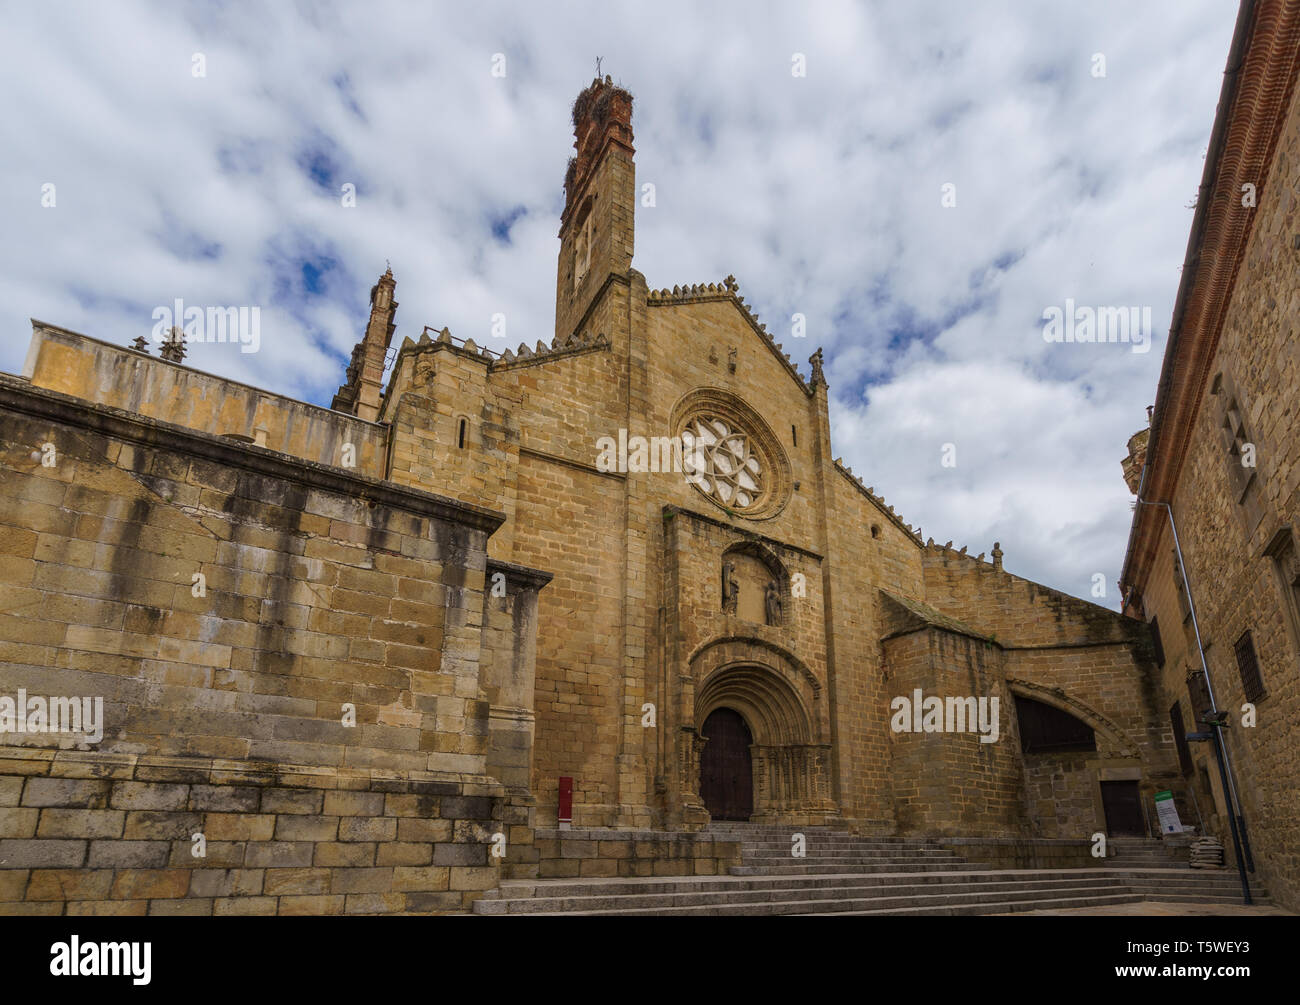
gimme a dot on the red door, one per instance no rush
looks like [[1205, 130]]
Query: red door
[[726, 774]]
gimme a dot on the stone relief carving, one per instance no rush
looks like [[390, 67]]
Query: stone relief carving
[[730, 588], [772, 601]]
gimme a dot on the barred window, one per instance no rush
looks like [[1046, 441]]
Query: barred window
[[1248, 667], [1238, 449]]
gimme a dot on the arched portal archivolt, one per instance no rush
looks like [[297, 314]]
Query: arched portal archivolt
[[769, 704], [780, 700], [718, 654]]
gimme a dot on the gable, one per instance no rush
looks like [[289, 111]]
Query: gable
[[739, 322]]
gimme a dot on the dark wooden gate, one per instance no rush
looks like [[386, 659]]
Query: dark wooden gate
[[1123, 808], [726, 773]]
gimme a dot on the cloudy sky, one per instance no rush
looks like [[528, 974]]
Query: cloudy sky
[[823, 194]]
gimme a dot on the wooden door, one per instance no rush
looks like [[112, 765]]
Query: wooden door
[[1123, 808], [726, 773]]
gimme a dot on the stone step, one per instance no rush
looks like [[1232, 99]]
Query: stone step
[[1007, 907], [897, 893], [1016, 906], [943, 903], [784, 848], [831, 864], [918, 854], [872, 854], [964, 892], [514, 888], [799, 868]]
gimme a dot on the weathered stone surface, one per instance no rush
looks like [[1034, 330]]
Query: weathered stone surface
[[310, 660]]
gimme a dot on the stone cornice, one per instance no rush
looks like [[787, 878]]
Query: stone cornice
[[18, 395], [521, 574]]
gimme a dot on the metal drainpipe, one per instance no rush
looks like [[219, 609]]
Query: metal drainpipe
[[1235, 816]]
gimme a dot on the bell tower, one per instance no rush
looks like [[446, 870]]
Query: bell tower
[[599, 201]]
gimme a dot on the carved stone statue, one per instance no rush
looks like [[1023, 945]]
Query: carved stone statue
[[730, 588], [816, 359], [772, 601]]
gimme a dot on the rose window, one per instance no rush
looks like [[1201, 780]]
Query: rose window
[[720, 461]]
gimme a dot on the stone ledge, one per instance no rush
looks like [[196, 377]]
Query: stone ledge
[[53, 763], [19, 396]]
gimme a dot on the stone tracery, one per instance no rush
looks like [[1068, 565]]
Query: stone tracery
[[720, 460]]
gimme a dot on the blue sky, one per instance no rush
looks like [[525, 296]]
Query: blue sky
[[822, 194]]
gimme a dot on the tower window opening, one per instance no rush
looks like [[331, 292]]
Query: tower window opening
[[460, 433]]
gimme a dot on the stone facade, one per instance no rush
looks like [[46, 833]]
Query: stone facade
[[514, 565], [291, 665], [1224, 452]]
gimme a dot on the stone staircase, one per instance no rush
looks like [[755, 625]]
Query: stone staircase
[[844, 874], [1144, 852], [767, 850]]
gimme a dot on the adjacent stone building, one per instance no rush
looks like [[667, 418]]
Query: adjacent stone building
[[1223, 451], [622, 562]]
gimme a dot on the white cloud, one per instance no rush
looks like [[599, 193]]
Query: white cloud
[[821, 194]]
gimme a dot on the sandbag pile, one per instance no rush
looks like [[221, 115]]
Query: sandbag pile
[[1207, 853]]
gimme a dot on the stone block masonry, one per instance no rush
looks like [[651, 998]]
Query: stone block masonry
[[84, 833], [374, 690], [289, 659]]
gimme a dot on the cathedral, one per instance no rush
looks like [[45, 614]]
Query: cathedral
[[731, 611], [615, 581]]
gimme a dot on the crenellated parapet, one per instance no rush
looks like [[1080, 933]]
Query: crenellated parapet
[[443, 340]]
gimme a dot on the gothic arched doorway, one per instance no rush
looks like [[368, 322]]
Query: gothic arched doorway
[[726, 771]]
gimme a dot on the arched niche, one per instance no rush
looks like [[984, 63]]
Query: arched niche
[[746, 569]]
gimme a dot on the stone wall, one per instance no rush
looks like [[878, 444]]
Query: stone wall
[[1226, 538], [253, 625], [118, 377], [952, 782], [103, 833]]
